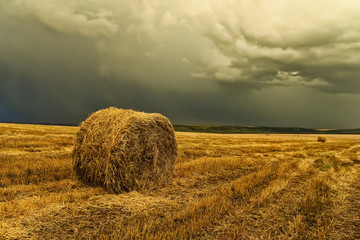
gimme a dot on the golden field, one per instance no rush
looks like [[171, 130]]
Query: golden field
[[224, 187]]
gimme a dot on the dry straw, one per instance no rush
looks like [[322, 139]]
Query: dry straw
[[125, 150]]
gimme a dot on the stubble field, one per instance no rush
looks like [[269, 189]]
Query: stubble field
[[224, 187]]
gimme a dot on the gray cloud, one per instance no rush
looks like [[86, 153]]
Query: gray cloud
[[64, 16], [265, 42], [226, 62]]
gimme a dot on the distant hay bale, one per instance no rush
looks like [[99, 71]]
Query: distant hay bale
[[321, 139], [124, 150]]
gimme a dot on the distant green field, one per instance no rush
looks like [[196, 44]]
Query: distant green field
[[263, 130]]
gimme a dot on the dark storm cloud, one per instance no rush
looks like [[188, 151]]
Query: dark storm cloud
[[283, 43], [214, 62]]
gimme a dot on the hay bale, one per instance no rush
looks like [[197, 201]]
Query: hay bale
[[124, 150], [321, 139]]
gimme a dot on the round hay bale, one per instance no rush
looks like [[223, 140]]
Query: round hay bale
[[124, 150]]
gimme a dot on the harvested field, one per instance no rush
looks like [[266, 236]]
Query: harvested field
[[224, 187]]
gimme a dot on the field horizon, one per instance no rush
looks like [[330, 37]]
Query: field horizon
[[235, 129], [224, 186]]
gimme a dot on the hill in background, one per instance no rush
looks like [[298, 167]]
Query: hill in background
[[261, 130]]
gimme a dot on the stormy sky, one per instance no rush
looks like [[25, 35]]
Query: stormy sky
[[234, 62]]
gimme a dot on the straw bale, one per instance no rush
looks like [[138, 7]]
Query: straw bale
[[124, 150]]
